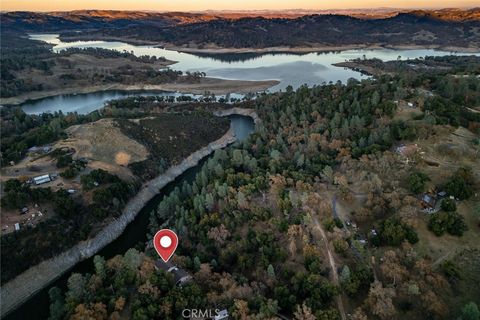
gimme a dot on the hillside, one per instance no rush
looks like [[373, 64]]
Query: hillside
[[426, 29], [445, 28]]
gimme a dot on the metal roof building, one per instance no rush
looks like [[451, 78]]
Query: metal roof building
[[42, 179]]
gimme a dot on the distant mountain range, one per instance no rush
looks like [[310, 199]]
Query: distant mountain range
[[261, 29]]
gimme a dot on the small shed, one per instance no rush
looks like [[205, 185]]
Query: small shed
[[442, 194]]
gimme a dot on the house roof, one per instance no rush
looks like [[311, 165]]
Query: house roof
[[42, 177], [165, 266], [427, 198], [179, 275]]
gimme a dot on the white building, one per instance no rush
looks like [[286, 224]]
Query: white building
[[42, 179]]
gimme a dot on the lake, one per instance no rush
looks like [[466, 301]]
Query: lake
[[289, 68]]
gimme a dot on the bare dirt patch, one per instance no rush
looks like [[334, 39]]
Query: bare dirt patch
[[447, 246], [449, 151], [103, 142]]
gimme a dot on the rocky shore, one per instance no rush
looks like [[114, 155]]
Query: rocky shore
[[25, 285]]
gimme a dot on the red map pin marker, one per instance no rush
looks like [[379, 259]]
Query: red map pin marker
[[165, 242]]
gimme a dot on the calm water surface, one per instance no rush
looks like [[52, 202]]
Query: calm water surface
[[290, 69]]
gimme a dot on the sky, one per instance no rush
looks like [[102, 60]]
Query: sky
[[199, 5]]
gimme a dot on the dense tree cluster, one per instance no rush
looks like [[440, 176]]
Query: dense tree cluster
[[110, 53], [393, 232], [19, 53]]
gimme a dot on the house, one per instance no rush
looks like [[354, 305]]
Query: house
[[17, 226], [428, 201], [181, 276], [24, 210], [42, 179], [221, 315]]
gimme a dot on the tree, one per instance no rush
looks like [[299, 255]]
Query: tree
[[57, 308], [271, 271], [417, 182], [327, 174], [470, 312], [241, 310], [242, 200], [64, 160], [99, 263], [448, 205], [358, 314], [451, 222], [380, 300], [460, 184], [237, 159], [197, 263], [303, 313], [345, 274], [76, 287], [393, 232], [268, 308], [12, 185]]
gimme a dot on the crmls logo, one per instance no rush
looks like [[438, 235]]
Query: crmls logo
[[199, 313]]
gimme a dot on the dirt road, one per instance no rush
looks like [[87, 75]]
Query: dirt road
[[331, 260]]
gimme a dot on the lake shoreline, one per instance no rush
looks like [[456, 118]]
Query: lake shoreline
[[320, 49], [212, 85], [18, 290], [213, 49]]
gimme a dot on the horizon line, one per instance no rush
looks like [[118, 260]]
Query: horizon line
[[252, 10]]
